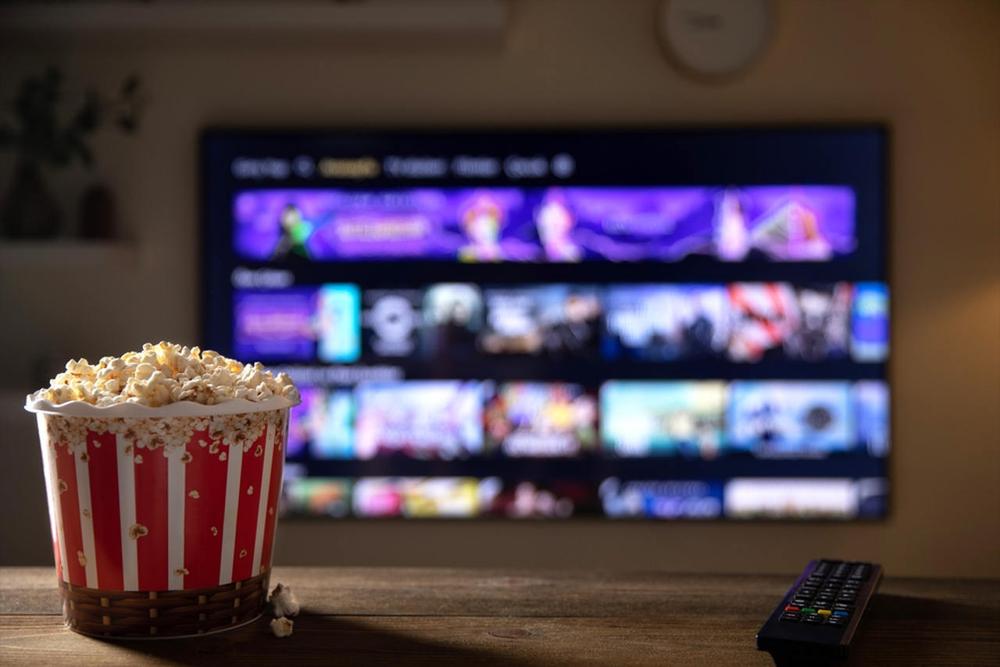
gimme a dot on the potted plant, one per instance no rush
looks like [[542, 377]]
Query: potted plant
[[42, 133]]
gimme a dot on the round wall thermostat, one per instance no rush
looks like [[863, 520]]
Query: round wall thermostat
[[715, 38]]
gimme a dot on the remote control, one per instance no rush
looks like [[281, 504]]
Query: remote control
[[821, 612]]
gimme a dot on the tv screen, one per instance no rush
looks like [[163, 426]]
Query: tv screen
[[670, 324]]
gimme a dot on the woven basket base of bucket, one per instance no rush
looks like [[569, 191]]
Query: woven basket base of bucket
[[163, 614]]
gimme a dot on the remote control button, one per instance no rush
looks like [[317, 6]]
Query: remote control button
[[860, 571], [790, 617], [792, 607], [836, 621], [842, 570], [823, 612], [823, 567], [808, 610], [814, 618], [843, 606], [801, 602]]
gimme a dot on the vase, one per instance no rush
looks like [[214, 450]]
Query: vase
[[28, 209]]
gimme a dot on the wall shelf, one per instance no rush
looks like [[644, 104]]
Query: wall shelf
[[56, 254]]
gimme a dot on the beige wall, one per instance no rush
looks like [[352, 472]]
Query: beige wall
[[931, 70]]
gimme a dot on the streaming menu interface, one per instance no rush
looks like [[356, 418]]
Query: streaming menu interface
[[670, 325]]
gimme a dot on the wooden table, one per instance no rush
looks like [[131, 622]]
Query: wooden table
[[460, 617]]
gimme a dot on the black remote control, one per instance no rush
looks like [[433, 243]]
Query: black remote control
[[821, 612]]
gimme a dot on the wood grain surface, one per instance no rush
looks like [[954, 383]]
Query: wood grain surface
[[396, 616]]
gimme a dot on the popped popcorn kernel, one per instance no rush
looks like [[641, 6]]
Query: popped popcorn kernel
[[283, 601], [282, 627], [162, 374]]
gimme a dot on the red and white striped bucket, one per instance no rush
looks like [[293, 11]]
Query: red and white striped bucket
[[163, 504]]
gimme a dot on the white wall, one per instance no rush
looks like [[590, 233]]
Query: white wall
[[929, 69]]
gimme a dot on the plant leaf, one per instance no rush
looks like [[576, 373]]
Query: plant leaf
[[131, 85], [127, 122]]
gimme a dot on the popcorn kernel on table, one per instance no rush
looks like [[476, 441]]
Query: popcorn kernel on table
[[284, 602], [282, 627]]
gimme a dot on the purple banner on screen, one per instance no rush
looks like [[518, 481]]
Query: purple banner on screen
[[274, 324], [571, 224]]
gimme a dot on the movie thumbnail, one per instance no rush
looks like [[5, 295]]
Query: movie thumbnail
[[552, 320], [426, 419], [274, 324], [453, 318], [391, 322], [778, 321], [331, 421], [413, 497], [523, 499], [870, 322], [815, 498], [338, 314], [664, 323], [534, 419], [873, 497], [662, 418], [318, 496], [871, 402], [679, 499], [790, 418], [299, 423], [322, 423]]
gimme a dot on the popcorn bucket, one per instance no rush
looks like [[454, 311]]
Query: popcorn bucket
[[163, 519]]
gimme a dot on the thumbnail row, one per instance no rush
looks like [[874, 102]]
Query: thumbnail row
[[778, 223], [739, 322], [452, 419], [469, 497]]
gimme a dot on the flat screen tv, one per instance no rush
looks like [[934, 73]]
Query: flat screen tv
[[665, 324]]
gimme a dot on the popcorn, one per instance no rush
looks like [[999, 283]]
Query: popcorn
[[162, 374], [284, 602], [282, 627]]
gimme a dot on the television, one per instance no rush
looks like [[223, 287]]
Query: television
[[677, 324]]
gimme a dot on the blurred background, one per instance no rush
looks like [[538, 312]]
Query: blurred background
[[100, 246]]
